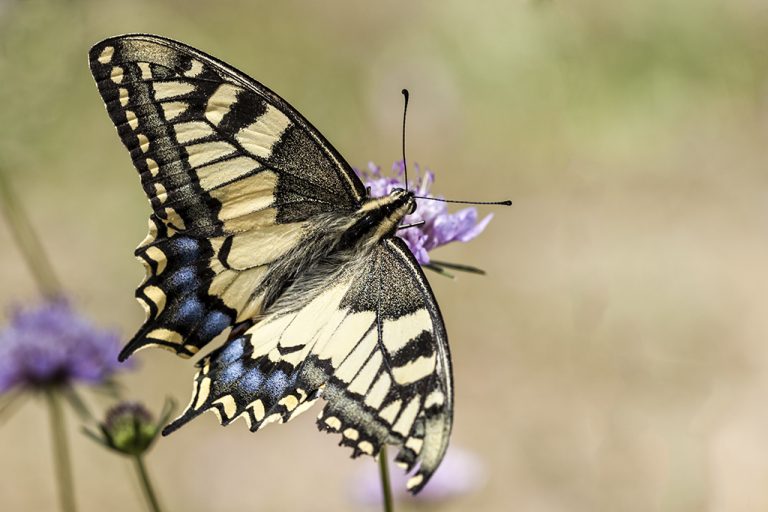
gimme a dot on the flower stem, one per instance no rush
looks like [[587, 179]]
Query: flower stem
[[27, 240], [386, 487], [61, 459], [146, 484]]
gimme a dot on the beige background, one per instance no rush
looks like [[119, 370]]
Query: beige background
[[615, 357]]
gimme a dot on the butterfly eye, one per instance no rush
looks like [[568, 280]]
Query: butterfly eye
[[413, 207], [368, 191]]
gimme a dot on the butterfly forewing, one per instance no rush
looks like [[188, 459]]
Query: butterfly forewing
[[233, 174], [371, 343]]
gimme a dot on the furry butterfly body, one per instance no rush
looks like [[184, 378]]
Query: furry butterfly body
[[261, 229]]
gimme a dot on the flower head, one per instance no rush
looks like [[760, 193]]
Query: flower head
[[52, 345], [440, 226], [129, 428]]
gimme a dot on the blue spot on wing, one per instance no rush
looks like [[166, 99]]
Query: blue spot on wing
[[276, 384], [189, 310], [230, 373], [186, 250], [213, 324], [183, 279], [232, 351], [251, 380]]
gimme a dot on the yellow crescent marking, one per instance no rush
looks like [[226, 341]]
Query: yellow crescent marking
[[158, 257], [333, 422], [166, 335], [106, 54], [156, 295], [117, 74], [160, 193], [143, 142], [365, 447], [133, 121], [152, 166], [414, 481], [289, 402], [230, 407], [257, 406]]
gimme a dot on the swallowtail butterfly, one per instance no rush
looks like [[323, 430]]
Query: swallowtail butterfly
[[261, 229]]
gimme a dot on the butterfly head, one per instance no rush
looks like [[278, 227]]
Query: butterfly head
[[397, 205], [379, 217], [405, 197]]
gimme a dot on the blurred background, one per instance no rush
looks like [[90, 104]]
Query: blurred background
[[615, 356]]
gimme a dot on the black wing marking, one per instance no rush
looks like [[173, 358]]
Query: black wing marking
[[372, 344], [233, 174]]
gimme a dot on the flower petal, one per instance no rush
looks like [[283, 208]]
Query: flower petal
[[475, 230]]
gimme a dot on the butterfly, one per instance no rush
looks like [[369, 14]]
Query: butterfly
[[261, 233]]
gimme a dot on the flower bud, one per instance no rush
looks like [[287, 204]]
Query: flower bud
[[129, 428]]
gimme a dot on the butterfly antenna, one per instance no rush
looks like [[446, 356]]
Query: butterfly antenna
[[406, 95], [498, 203]]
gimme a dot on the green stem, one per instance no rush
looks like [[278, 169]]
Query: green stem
[[146, 484], [61, 460], [27, 240], [386, 487]]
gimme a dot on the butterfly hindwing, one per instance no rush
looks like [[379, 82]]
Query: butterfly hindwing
[[371, 343], [233, 174]]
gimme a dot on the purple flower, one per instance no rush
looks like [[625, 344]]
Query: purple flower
[[460, 473], [52, 345], [440, 227]]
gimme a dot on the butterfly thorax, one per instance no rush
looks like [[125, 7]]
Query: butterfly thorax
[[332, 246]]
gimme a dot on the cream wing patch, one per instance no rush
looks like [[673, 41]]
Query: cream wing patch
[[259, 137], [173, 109], [217, 174], [192, 130], [171, 89], [207, 152], [221, 102], [398, 332]]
